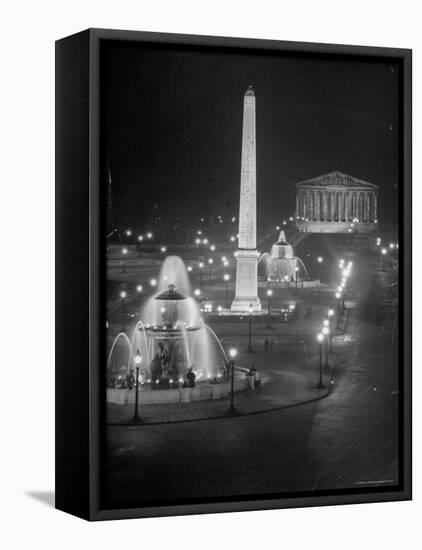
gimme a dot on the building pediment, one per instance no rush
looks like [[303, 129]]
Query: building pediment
[[336, 180]]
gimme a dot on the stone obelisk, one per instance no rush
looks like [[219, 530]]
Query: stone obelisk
[[246, 295]]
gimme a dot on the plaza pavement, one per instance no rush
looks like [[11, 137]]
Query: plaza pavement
[[284, 384], [289, 374]]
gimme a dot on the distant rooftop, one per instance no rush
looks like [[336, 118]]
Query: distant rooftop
[[336, 179]]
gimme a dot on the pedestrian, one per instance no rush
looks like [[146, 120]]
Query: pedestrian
[[130, 380], [266, 345], [271, 345], [190, 378]]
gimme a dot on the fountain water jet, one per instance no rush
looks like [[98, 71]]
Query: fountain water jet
[[282, 265], [126, 339], [172, 337]]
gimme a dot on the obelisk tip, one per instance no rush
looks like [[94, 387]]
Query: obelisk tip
[[250, 91]]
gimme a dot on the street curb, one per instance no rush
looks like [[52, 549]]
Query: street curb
[[224, 416]]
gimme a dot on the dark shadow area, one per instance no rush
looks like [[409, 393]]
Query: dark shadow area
[[45, 497]]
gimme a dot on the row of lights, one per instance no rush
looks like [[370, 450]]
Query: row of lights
[[326, 330], [384, 250], [139, 288], [148, 235]]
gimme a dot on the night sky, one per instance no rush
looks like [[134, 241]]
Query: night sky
[[172, 124]]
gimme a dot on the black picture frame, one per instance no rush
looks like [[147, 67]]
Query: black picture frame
[[80, 282]]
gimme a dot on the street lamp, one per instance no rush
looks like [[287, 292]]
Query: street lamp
[[201, 266], [153, 282], [226, 278], [210, 262], [140, 241], [139, 290], [338, 296], [124, 252], [320, 339], [232, 354], [320, 259], [250, 309], [330, 314], [138, 361], [296, 276], [286, 280], [269, 294], [383, 254], [123, 295], [326, 331]]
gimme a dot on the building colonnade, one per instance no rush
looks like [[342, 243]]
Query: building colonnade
[[337, 206]]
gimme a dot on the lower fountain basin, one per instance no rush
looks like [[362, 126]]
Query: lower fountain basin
[[201, 392]]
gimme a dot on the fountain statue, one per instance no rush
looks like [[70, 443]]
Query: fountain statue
[[281, 265], [171, 337]]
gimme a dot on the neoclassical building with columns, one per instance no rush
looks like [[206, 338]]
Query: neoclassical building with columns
[[336, 203]]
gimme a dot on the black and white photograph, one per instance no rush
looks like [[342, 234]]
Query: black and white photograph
[[210, 292], [252, 242]]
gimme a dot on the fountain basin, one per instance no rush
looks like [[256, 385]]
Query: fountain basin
[[203, 391]]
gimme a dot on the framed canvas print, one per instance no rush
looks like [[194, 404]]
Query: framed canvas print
[[233, 274]]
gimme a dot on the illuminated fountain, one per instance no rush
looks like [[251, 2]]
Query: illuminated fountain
[[281, 265], [172, 337]]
